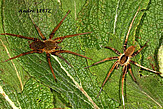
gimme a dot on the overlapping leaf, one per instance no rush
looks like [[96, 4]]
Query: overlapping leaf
[[11, 73], [105, 19], [96, 16], [74, 84], [34, 95]]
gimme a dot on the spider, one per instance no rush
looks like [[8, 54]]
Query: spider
[[48, 45], [124, 59]]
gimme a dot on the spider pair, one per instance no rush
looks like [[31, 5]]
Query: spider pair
[[51, 46]]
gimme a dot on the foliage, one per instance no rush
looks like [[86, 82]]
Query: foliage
[[78, 87]]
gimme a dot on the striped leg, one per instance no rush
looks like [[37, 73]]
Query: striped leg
[[22, 54], [108, 75], [39, 31], [56, 28], [116, 51], [20, 36], [133, 62], [138, 51], [48, 59], [123, 78], [111, 58], [125, 44]]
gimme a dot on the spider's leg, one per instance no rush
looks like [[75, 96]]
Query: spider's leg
[[58, 42], [129, 67], [39, 31], [123, 77], [138, 51], [111, 58], [50, 65], [70, 52], [56, 28], [133, 62], [57, 54], [125, 44], [22, 54], [63, 37], [24, 37], [116, 51], [108, 75]]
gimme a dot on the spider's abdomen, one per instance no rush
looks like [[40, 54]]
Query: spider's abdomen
[[123, 59], [50, 45], [130, 51], [37, 45]]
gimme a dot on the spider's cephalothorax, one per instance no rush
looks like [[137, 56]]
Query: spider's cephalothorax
[[48, 46], [124, 59]]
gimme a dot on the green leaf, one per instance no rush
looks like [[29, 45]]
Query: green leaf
[[60, 101], [151, 30], [109, 22], [8, 96], [74, 5], [77, 86], [11, 73], [103, 17], [34, 95], [71, 81]]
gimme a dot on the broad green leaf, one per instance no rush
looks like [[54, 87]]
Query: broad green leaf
[[151, 30], [11, 73], [34, 95], [76, 84], [107, 18], [8, 97], [104, 17], [74, 5], [79, 86], [60, 101]]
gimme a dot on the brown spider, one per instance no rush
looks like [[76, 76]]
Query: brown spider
[[124, 59], [48, 45]]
